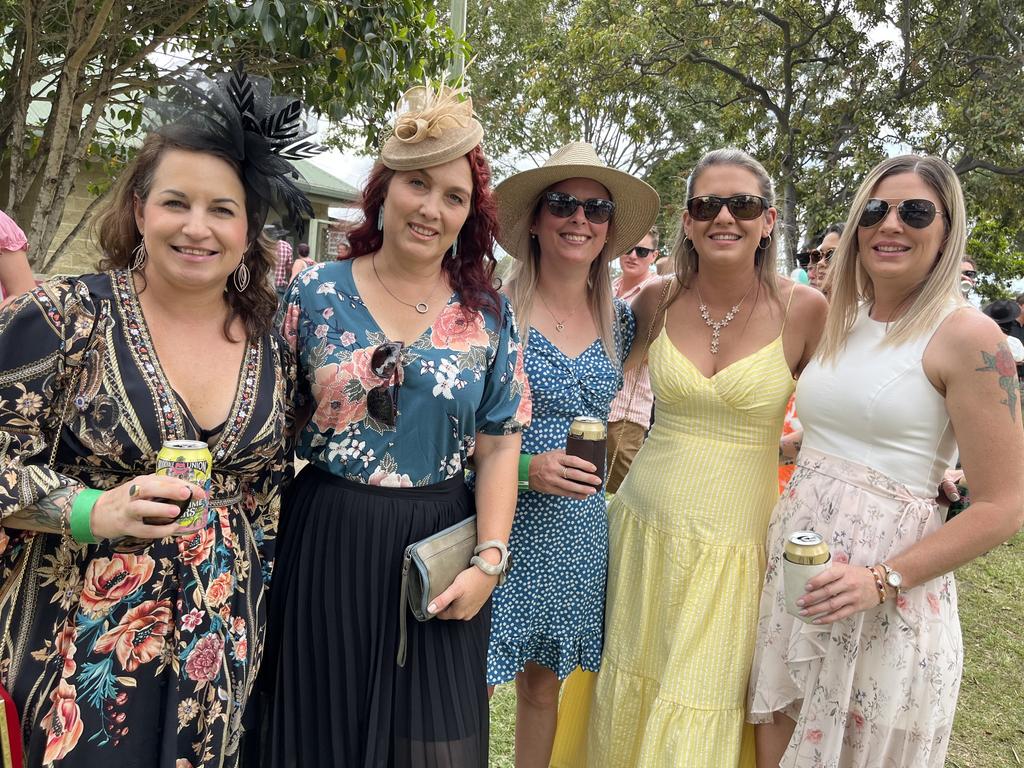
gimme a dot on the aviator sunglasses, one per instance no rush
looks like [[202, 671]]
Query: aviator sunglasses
[[564, 205], [382, 400], [742, 207], [914, 213]]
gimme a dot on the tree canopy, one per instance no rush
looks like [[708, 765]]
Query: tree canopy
[[818, 90], [73, 83]]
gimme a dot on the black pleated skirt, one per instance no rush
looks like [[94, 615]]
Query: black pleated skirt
[[334, 693]]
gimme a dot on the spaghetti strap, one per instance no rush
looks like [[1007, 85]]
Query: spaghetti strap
[[788, 304]]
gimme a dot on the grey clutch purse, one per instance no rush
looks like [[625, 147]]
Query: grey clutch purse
[[429, 568]]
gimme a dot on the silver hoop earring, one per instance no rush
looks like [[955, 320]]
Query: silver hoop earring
[[764, 245], [240, 277], [139, 256], [380, 219]]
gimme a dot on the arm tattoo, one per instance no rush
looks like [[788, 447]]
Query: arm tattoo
[[45, 515], [1003, 365]]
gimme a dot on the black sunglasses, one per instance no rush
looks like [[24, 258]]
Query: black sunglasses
[[743, 207], [969, 273], [914, 213], [641, 252], [564, 205], [382, 400]]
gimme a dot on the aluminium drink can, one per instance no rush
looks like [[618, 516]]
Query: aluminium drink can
[[189, 460], [804, 555], [588, 438]]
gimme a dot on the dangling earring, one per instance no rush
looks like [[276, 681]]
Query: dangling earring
[[240, 277], [139, 256], [380, 219], [455, 247]]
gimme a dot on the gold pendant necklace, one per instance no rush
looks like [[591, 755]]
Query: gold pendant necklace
[[559, 324], [421, 307]]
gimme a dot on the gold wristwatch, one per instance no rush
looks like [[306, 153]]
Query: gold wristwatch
[[893, 578]]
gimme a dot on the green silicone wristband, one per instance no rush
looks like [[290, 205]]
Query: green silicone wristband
[[524, 467], [81, 516]]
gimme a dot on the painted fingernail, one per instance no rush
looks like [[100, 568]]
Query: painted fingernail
[[954, 496], [432, 608], [800, 602]]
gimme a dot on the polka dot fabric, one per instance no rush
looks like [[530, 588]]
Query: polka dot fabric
[[551, 609]]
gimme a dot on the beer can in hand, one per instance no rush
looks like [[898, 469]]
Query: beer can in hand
[[189, 460], [588, 438], [804, 556]]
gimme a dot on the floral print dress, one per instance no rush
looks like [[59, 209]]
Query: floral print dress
[[140, 658]]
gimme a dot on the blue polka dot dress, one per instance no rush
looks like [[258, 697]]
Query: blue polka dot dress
[[551, 608]]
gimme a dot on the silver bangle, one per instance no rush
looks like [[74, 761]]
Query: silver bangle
[[501, 569]]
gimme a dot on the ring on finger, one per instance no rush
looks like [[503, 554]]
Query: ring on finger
[[133, 490], [564, 471]]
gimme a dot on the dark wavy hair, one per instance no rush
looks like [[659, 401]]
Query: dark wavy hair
[[118, 235], [471, 272]]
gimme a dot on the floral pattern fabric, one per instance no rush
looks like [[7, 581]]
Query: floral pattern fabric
[[463, 366], [880, 687], [143, 657]]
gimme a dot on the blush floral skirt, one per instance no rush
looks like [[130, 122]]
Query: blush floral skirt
[[880, 687]]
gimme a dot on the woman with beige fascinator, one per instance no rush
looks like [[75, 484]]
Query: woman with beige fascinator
[[409, 365], [562, 222]]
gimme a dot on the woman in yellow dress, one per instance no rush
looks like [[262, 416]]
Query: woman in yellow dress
[[688, 525]]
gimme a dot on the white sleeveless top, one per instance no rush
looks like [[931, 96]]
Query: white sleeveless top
[[875, 406]]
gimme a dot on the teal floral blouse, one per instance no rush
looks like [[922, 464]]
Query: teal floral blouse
[[463, 375]]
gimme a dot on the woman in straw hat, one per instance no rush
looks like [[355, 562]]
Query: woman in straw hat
[[410, 364], [726, 335], [906, 376], [562, 222]]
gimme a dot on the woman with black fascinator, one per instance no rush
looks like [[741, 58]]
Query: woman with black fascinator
[[129, 638]]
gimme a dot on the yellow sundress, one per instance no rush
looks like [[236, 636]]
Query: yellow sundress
[[686, 561]]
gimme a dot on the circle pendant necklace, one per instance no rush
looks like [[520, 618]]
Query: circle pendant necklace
[[421, 307]]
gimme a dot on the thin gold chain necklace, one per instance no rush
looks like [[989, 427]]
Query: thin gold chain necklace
[[421, 307], [559, 324]]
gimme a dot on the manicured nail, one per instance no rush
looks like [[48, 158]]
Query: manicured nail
[[803, 612], [432, 608], [800, 602], [954, 496]]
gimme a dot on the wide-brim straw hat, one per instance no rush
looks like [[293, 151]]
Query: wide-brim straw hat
[[432, 127], [636, 202]]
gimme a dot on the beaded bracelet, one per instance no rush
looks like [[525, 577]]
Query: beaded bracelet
[[81, 515], [879, 584]]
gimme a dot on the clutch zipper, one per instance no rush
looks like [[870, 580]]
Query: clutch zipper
[[402, 610]]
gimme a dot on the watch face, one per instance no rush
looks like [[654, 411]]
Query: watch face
[[894, 579]]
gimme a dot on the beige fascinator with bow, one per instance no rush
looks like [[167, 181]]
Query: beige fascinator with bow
[[432, 127]]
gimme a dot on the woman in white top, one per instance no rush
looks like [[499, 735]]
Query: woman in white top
[[905, 374]]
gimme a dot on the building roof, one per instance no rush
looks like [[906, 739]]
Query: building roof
[[318, 183]]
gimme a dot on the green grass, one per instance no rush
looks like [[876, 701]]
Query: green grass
[[989, 727]]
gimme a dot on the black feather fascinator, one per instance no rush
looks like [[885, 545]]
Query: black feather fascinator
[[236, 115]]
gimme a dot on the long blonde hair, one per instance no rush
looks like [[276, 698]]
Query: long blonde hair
[[522, 287], [684, 255], [850, 285]]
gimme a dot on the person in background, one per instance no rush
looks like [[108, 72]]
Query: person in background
[[968, 276], [630, 415], [283, 263], [817, 268], [15, 273], [906, 375], [409, 365], [142, 651], [344, 248], [302, 260]]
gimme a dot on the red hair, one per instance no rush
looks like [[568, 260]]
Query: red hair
[[471, 272]]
